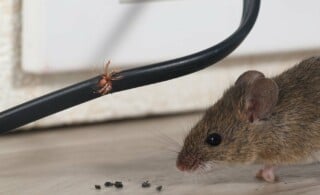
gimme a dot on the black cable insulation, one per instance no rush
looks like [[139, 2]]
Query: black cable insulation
[[128, 79]]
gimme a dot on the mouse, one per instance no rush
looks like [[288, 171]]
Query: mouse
[[259, 120]]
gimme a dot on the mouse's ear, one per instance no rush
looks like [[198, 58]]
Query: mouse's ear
[[249, 77], [260, 98]]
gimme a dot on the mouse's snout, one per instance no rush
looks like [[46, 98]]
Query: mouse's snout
[[187, 162]]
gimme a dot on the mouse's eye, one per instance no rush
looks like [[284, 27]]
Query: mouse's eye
[[213, 139]]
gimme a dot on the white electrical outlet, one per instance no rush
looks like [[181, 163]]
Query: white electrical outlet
[[73, 35]]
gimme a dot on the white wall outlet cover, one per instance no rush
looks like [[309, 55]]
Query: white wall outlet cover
[[74, 35]]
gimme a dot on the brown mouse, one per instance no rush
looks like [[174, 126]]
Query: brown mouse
[[259, 120]]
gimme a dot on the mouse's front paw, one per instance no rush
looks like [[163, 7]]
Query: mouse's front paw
[[267, 174]]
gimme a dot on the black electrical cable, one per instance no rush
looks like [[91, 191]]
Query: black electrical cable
[[127, 79]]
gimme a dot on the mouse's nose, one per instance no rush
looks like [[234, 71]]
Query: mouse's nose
[[181, 167], [187, 162]]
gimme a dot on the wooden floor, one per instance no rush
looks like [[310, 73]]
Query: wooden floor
[[73, 160]]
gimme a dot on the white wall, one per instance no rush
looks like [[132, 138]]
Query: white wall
[[75, 35]]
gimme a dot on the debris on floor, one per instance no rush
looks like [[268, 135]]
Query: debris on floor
[[108, 184], [145, 184], [118, 184], [159, 188]]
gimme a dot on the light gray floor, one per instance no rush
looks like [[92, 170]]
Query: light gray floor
[[71, 161]]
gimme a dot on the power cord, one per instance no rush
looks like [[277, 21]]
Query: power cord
[[128, 79]]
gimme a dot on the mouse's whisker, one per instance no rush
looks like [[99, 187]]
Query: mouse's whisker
[[171, 151], [211, 166], [170, 141], [201, 171], [168, 138], [195, 178], [206, 167], [203, 174], [163, 145]]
